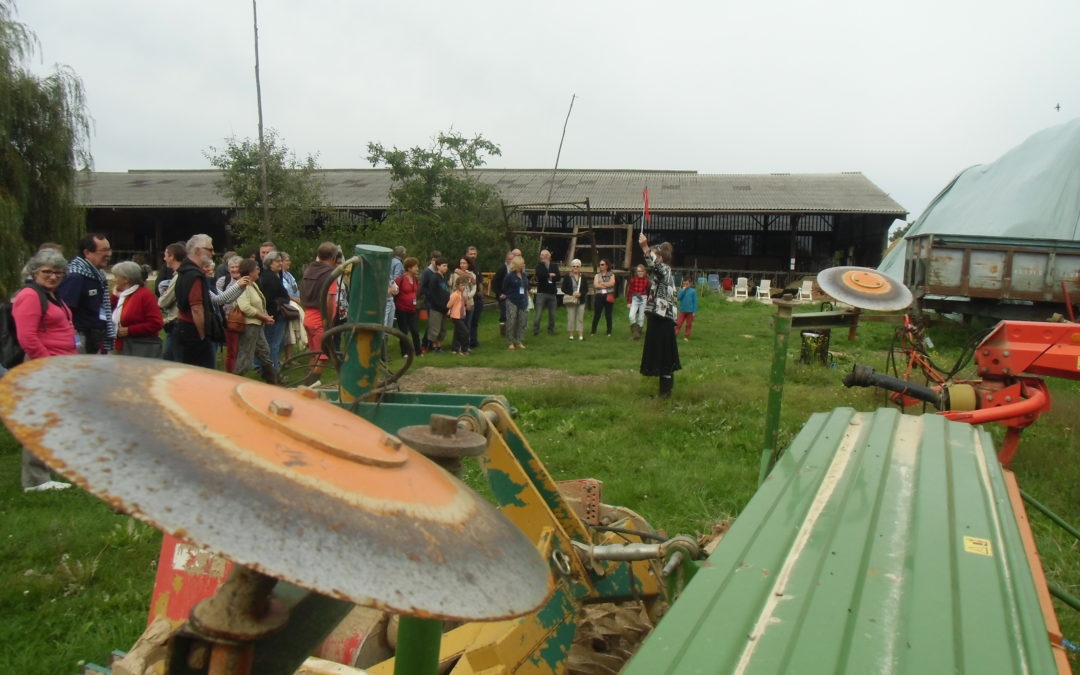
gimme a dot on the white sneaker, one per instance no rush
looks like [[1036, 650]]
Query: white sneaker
[[48, 485]]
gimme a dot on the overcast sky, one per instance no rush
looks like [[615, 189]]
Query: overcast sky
[[909, 92]]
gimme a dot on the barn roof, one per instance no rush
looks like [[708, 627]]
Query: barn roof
[[669, 191]]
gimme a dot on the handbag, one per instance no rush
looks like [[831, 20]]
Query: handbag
[[570, 300], [147, 347], [288, 312], [611, 297], [235, 322]]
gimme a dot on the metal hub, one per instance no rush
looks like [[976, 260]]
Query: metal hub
[[287, 485], [864, 288]]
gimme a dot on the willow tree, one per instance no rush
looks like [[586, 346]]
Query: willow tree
[[44, 140]]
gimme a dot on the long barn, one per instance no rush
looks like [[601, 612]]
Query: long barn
[[772, 223]]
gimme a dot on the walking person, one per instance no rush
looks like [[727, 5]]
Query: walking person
[[687, 308], [603, 295], [660, 352], [515, 289], [637, 292], [547, 286], [575, 289]]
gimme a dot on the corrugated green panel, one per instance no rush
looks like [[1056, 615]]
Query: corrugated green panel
[[880, 543]]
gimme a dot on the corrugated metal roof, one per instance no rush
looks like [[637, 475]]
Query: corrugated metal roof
[[671, 191], [880, 543]]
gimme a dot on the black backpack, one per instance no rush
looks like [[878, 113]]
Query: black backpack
[[11, 352]]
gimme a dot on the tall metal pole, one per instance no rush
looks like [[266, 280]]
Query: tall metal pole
[[262, 142], [551, 188]]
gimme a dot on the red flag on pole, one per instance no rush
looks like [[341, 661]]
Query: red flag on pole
[[647, 215]]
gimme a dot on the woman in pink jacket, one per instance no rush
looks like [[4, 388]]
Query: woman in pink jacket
[[43, 328]]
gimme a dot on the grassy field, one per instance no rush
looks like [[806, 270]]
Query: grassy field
[[79, 575]]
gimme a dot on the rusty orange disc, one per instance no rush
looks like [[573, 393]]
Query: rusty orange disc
[[864, 288], [294, 487]]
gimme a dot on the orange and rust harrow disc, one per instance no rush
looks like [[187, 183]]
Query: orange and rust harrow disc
[[285, 484], [864, 288]]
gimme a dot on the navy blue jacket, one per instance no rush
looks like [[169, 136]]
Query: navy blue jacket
[[516, 289], [83, 296]]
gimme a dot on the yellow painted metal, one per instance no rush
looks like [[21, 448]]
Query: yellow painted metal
[[539, 643]]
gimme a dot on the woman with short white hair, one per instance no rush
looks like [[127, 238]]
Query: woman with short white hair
[[43, 328], [135, 313]]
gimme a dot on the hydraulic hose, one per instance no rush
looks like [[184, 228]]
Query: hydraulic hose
[[865, 376]]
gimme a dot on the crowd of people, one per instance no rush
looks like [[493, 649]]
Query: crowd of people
[[253, 310]]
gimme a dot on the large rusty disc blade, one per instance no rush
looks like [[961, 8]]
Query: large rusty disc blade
[[293, 487], [864, 288]]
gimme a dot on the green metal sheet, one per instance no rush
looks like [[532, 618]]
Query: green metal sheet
[[880, 543]]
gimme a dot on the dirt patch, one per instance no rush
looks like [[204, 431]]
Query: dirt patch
[[480, 380]]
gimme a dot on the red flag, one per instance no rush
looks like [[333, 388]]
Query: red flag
[[647, 216]]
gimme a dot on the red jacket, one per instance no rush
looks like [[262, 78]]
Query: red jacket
[[405, 300], [140, 314], [637, 286]]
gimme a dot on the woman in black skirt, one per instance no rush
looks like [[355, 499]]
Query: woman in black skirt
[[660, 354]]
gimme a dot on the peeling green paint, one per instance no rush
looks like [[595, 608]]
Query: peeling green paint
[[504, 488]]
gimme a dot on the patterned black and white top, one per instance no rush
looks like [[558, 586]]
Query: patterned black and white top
[[661, 299]]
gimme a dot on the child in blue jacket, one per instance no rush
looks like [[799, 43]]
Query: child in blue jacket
[[687, 308]]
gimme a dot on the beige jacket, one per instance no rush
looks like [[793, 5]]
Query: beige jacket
[[253, 304]]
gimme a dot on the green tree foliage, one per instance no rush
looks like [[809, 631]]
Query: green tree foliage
[[899, 232], [299, 219], [437, 200], [44, 139]]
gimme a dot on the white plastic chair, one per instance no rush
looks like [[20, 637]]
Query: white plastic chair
[[764, 291], [742, 290], [806, 291]]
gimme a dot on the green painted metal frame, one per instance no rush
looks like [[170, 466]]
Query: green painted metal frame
[[880, 542]]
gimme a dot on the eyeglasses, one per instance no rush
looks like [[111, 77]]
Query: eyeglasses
[[52, 273], [207, 248]]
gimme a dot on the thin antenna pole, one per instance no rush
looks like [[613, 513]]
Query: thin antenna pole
[[262, 141], [551, 188]]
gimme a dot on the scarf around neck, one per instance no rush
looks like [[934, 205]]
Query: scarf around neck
[[81, 266]]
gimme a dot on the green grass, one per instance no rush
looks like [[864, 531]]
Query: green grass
[[683, 464]]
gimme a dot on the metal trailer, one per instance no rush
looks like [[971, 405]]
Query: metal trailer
[[995, 277]]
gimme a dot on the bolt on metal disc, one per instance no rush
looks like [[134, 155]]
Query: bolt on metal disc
[[442, 437], [292, 487], [864, 288]]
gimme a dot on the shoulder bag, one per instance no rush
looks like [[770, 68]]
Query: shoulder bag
[[236, 320]]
